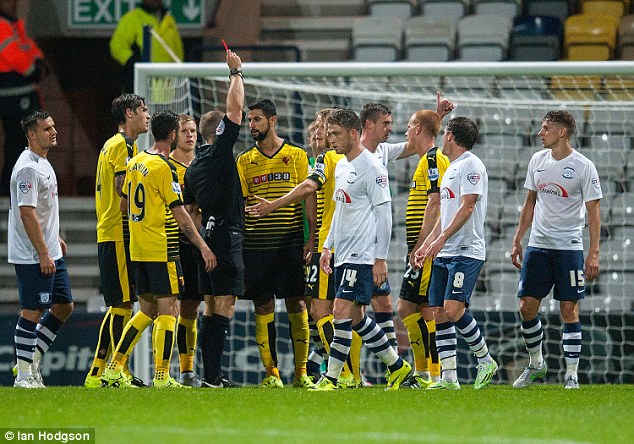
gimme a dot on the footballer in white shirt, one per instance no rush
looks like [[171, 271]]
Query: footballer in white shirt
[[360, 236], [457, 244], [563, 189]]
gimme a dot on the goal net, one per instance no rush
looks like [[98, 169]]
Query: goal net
[[508, 101]]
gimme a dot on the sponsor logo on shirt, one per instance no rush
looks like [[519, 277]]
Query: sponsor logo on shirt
[[433, 174], [568, 173], [554, 189], [382, 180], [342, 196], [271, 177], [25, 186], [473, 178], [446, 193]]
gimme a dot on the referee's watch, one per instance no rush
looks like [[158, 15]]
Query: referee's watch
[[235, 72]]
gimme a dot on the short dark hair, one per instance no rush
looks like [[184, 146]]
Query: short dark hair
[[29, 122], [123, 102], [164, 122], [265, 105], [208, 124], [373, 111], [564, 118], [345, 118], [464, 130]]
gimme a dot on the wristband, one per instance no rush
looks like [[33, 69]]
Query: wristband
[[235, 72]]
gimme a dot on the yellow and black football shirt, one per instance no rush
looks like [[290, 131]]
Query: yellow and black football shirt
[[151, 187], [270, 178], [113, 158], [429, 172], [324, 174], [181, 169]]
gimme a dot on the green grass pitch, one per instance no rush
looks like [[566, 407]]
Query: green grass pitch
[[497, 414]]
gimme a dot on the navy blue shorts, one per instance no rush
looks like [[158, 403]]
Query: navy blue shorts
[[544, 268], [453, 278], [383, 290], [354, 283], [37, 290]]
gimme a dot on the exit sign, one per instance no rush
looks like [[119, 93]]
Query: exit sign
[[105, 14]]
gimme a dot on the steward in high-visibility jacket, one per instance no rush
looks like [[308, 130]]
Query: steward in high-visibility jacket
[[126, 43], [22, 66]]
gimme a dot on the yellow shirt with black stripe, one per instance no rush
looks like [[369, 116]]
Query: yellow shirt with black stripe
[[152, 189], [324, 174], [270, 178], [181, 169], [113, 159], [429, 172]]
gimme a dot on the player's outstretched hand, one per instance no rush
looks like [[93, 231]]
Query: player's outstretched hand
[[261, 209]]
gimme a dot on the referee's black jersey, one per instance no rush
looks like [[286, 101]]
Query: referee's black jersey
[[212, 180]]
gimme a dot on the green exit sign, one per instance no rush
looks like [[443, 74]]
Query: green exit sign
[[105, 14]]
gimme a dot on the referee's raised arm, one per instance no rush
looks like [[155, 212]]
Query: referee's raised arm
[[235, 95]]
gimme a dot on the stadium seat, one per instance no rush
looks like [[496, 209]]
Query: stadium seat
[[483, 37], [536, 37], [615, 8], [626, 37], [590, 37], [377, 39], [400, 8], [509, 8], [430, 39], [555, 8], [445, 8]]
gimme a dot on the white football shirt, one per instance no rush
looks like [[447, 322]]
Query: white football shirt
[[386, 152], [465, 175], [34, 184], [563, 187], [360, 186]]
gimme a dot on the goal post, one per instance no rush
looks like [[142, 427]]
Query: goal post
[[508, 101]]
